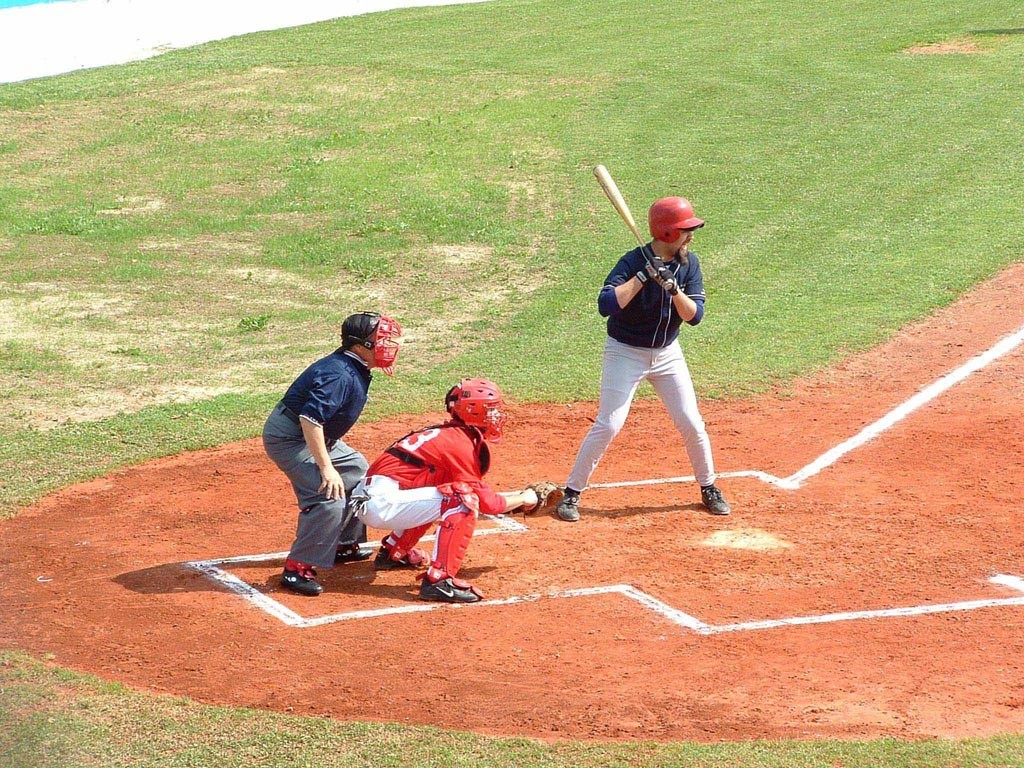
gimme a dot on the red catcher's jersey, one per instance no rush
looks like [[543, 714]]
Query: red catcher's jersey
[[454, 453]]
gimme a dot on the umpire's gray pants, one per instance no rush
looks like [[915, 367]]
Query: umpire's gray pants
[[323, 524]]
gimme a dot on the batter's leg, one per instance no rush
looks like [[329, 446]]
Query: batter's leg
[[623, 369], [670, 377]]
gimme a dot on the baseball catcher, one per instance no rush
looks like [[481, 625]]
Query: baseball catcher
[[435, 475]]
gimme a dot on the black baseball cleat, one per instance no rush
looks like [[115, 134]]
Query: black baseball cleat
[[352, 553], [712, 498], [414, 558], [303, 583], [569, 507], [449, 590]]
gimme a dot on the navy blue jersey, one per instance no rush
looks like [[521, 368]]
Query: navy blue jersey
[[331, 393], [649, 320]]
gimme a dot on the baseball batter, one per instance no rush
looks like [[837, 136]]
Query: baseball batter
[[646, 297], [303, 435], [435, 475]]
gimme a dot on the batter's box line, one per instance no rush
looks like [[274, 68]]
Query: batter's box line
[[870, 432], [212, 570]]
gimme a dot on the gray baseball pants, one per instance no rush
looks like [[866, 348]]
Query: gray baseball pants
[[323, 524], [623, 369]]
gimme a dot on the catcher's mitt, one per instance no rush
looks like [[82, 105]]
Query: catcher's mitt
[[548, 496]]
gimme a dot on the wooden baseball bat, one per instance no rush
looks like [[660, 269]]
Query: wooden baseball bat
[[608, 185]]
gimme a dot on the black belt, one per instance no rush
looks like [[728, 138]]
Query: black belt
[[293, 417], [409, 458], [289, 413]]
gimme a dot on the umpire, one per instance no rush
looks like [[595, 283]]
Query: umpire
[[302, 436]]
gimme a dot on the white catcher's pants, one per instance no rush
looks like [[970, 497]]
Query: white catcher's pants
[[623, 370], [388, 507]]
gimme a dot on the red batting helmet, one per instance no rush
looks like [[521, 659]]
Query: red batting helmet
[[669, 215], [478, 403]]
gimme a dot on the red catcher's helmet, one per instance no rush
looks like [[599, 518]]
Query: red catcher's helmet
[[669, 215], [478, 403]]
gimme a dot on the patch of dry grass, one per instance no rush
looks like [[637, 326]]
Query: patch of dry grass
[[102, 349], [962, 45]]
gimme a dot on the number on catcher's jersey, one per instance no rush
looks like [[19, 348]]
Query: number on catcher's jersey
[[417, 439]]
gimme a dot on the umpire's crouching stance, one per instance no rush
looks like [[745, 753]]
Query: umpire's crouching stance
[[303, 435]]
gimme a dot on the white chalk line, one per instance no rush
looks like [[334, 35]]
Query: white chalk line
[[827, 618], [212, 570], [649, 602], [1013, 582], [692, 623], [870, 432], [422, 607], [763, 476], [929, 393]]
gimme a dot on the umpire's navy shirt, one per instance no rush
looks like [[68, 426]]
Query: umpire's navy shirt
[[649, 320], [331, 393]]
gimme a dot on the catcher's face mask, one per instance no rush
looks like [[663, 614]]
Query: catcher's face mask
[[494, 422]]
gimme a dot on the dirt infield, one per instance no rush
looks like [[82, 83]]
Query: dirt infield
[[921, 516]]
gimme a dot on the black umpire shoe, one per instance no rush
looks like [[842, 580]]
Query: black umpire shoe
[[448, 591], [569, 507], [303, 583], [352, 553], [712, 499]]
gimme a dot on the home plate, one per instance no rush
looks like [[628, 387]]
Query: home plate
[[745, 538]]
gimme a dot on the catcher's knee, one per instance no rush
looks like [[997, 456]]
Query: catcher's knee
[[458, 495]]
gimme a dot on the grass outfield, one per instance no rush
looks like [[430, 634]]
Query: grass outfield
[[57, 718], [179, 237]]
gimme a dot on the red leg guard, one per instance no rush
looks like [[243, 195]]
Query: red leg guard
[[453, 536], [409, 539], [404, 546]]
